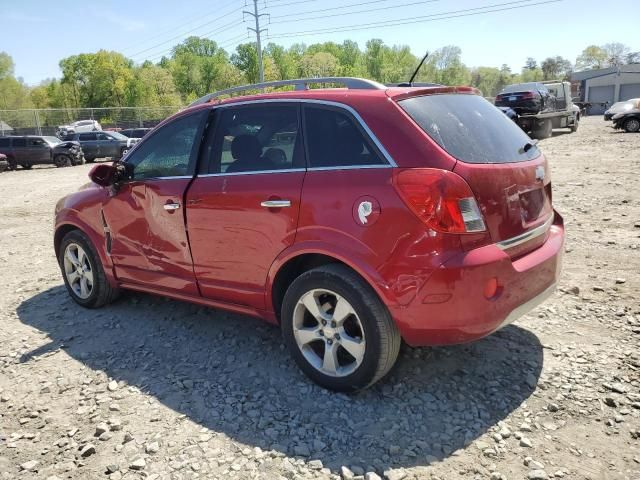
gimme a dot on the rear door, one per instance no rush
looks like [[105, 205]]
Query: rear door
[[242, 211], [507, 173], [145, 217], [89, 142]]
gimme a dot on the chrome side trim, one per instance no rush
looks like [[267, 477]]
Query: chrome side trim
[[348, 167], [526, 307], [526, 236], [176, 177], [258, 172], [343, 106]]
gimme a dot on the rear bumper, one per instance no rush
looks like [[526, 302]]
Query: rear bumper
[[457, 303]]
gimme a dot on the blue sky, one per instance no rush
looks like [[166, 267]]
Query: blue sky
[[38, 33]]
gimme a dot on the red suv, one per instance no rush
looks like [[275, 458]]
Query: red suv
[[352, 217]]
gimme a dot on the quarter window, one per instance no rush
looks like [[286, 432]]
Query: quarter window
[[256, 138], [4, 142], [334, 140], [171, 151]]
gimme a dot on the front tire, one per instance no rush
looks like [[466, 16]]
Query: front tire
[[83, 273], [338, 330], [576, 124], [632, 125], [62, 161]]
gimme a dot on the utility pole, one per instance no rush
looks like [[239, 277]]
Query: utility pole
[[258, 31]]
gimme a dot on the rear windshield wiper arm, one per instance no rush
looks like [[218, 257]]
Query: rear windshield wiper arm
[[528, 146]]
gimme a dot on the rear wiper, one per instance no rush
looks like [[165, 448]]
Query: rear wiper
[[528, 146]]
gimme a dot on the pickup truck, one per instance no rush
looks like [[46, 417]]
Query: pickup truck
[[541, 106]]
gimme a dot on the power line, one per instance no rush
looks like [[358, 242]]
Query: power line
[[184, 33], [421, 2], [359, 4], [221, 29], [413, 20], [184, 22]]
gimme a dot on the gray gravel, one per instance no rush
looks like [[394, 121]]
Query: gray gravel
[[155, 389]]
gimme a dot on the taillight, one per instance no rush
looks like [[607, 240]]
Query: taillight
[[528, 95], [441, 199]]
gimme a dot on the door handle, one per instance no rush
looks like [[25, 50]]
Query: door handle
[[171, 206], [275, 203]]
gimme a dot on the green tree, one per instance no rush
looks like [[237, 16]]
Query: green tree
[[487, 80], [616, 53], [321, 64], [556, 68], [591, 58], [245, 59], [530, 64], [6, 65]]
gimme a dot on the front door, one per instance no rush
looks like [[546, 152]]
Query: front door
[[242, 212], [145, 218], [37, 151]]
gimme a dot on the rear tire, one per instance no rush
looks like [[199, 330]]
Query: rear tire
[[89, 160], [83, 273], [13, 165], [543, 131], [351, 341], [26, 166], [632, 125]]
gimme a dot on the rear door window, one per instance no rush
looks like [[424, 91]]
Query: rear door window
[[4, 142], [335, 140], [470, 129], [87, 137], [19, 142], [256, 138]]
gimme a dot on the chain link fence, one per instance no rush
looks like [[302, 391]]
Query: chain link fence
[[47, 121]]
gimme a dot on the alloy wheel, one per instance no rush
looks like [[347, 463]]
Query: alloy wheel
[[329, 333], [78, 271]]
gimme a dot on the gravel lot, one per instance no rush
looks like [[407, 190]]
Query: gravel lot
[[158, 389]]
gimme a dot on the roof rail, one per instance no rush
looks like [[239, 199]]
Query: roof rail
[[299, 84]]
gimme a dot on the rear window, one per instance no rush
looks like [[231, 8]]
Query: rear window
[[470, 128], [524, 87]]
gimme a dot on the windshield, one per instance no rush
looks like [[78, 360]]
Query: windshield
[[118, 136], [470, 128], [52, 140]]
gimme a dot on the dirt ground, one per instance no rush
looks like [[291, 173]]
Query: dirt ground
[[149, 388]]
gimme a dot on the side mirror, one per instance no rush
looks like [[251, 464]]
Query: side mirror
[[103, 175]]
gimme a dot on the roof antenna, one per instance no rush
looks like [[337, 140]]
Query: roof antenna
[[410, 84]]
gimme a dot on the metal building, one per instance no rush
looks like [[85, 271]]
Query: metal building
[[600, 88]]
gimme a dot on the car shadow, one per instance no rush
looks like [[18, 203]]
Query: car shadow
[[232, 375]]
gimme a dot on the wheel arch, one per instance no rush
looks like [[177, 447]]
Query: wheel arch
[[96, 239], [288, 268]]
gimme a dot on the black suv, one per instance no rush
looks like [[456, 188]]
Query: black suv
[[102, 144], [135, 132], [30, 150]]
